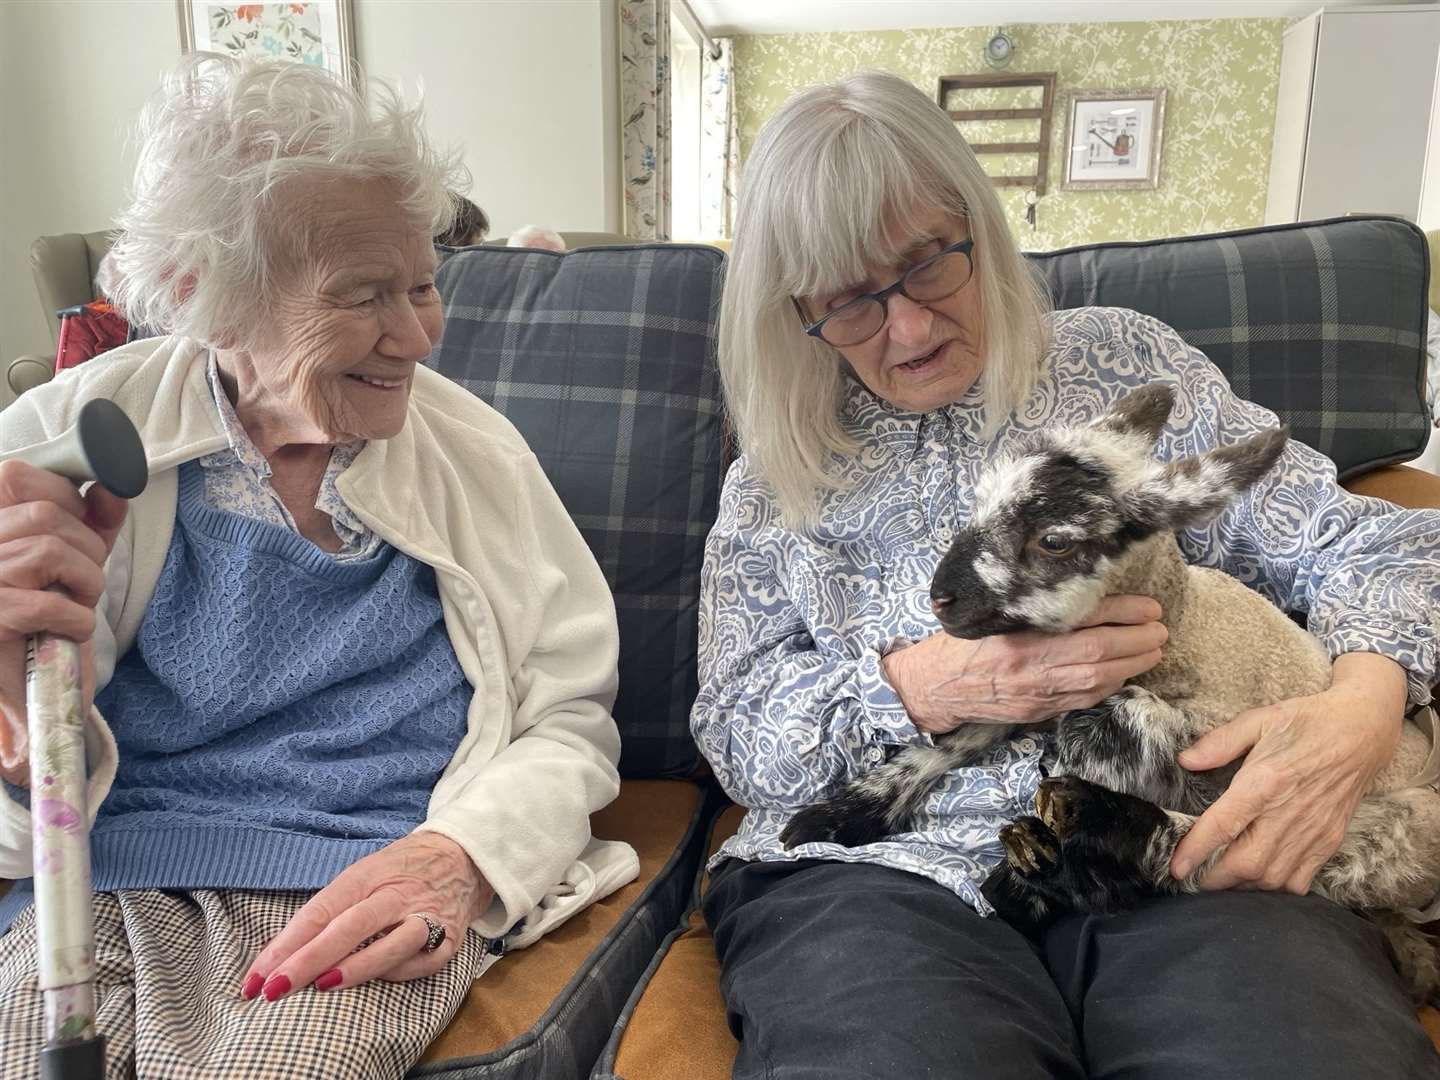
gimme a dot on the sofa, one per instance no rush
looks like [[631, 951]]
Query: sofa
[[604, 358]]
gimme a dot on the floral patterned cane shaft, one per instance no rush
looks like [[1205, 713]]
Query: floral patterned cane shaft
[[59, 822]]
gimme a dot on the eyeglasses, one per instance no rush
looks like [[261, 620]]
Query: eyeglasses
[[942, 275]]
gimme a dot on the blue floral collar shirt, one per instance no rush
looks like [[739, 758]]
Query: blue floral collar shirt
[[793, 625], [237, 479]]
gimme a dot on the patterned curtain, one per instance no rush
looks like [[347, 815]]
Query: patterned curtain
[[645, 117], [719, 142]]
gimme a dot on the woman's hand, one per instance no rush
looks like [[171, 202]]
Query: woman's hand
[[1024, 678], [49, 536], [1311, 759], [422, 872]]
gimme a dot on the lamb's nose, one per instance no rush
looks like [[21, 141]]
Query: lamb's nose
[[939, 601]]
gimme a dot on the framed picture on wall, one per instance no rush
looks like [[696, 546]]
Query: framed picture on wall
[[1112, 139], [319, 32]]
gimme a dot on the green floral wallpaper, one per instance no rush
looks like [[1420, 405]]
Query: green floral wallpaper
[[1220, 75]]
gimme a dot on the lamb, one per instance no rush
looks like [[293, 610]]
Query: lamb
[[1085, 512]]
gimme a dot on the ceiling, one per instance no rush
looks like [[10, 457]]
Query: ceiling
[[721, 17]]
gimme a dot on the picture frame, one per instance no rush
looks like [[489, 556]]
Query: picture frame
[[1113, 140], [319, 32]]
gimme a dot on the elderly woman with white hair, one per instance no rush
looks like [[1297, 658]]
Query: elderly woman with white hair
[[351, 663], [881, 341]]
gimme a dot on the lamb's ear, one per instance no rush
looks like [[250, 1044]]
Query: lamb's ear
[[1192, 490], [1140, 412]]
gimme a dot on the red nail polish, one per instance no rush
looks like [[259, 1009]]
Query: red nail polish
[[253, 982], [277, 987], [329, 980]]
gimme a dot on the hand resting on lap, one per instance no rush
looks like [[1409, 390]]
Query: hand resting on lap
[[423, 872]]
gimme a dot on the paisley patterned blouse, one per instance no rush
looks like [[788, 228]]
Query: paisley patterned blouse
[[793, 625]]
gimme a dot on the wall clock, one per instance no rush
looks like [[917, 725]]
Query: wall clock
[[999, 49]]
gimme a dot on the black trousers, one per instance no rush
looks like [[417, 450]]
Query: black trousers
[[834, 971]]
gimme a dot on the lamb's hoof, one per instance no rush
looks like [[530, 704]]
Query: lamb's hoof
[[1421, 970], [1018, 902], [1031, 848], [1059, 802], [1415, 955]]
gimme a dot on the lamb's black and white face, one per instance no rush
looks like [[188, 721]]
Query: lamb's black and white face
[[1046, 530], [1051, 522]]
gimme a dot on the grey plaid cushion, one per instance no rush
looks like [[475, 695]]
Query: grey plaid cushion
[[604, 358], [1323, 323]]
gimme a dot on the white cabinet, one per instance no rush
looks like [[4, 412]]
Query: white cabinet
[[1429, 218], [1353, 114]]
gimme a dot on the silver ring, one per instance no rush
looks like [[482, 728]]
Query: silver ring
[[435, 930]]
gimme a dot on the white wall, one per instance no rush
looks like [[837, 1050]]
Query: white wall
[[527, 87], [524, 85], [71, 76]]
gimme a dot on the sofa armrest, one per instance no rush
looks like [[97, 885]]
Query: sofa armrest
[[1414, 489], [28, 372]]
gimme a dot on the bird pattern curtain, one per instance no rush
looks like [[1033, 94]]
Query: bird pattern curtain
[[645, 117]]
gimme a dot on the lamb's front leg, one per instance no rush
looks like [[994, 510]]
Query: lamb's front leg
[[1115, 848], [1389, 859], [1090, 850], [1129, 743]]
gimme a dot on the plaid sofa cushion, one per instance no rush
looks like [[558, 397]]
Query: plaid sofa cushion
[[1322, 322], [604, 359]]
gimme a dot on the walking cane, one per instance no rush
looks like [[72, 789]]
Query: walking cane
[[102, 446]]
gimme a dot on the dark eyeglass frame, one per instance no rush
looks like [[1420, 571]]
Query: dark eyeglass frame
[[816, 329]]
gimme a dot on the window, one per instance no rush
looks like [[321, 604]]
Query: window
[[686, 43]]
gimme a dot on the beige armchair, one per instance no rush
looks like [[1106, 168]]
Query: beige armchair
[[64, 268]]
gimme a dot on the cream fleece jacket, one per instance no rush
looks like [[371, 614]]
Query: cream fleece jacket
[[528, 611]]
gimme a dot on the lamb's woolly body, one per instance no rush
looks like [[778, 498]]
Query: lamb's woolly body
[[1110, 819]]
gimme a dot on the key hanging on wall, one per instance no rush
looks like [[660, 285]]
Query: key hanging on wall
[[1031, 200]]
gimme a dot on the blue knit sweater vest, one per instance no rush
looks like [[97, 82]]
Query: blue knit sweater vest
[[281, 714]]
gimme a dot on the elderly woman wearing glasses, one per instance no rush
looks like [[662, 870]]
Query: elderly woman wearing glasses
[[881, 341]]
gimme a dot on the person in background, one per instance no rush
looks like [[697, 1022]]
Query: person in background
[[1429, 458], [468, 227], [536, 236]]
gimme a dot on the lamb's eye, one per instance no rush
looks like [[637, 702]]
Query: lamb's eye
[[1055, 545]]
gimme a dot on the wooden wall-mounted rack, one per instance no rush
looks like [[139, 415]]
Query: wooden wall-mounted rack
[[1040, 146]]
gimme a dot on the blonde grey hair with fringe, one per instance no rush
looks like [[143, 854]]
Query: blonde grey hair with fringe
[[835, 184], [206, 236]]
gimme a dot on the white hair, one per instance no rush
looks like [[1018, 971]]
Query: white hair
[[205, 234], [836, 183], [536, 236]]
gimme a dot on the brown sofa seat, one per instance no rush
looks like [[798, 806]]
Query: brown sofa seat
[[1400, 484], [677, 1027], [518, 1009]]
